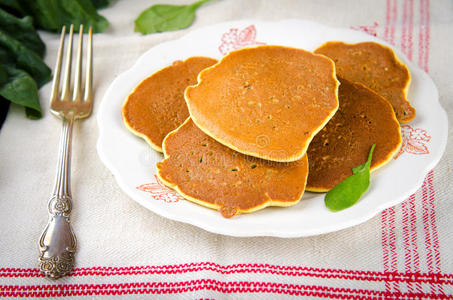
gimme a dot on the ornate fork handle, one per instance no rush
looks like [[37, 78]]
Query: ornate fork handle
[[58, 242]]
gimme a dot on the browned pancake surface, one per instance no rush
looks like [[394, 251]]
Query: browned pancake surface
[[211, 174], [267, 101], [157, 105], [375, 66], [363, 119]]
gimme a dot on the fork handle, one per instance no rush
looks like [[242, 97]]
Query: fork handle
[[58, 243]]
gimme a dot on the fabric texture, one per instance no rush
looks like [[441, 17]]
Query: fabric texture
[[128, 251]]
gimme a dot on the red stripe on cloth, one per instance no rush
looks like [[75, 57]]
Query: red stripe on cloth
[[407, 28], [430, 228], [421, 36], [228, 287], [412, 258], [389, 247], [426, 227], [436, 246], [446, 279], [406, 241], [387, 21], [410, 42], [393, 23], [425, 3], [392, 246], [404, 29], [434, 235], [385, 245], [413, 229]]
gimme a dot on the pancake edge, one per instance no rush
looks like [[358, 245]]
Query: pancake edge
[[268, 203], [135, 132], [399, 62], [129, 127], [292, 158], [387, 159]]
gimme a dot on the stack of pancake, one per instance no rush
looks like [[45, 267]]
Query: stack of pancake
[[264, 124]]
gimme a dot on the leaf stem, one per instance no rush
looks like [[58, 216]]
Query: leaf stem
[[370, 155], [199, 3]]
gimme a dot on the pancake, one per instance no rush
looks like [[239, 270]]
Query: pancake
[[211, 174], [377, 67], [157, 106], [363, 119], [266, 101]]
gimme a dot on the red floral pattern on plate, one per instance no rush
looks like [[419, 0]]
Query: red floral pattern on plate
[[370, 29], [415, 141], [160, 192], [235, 39]]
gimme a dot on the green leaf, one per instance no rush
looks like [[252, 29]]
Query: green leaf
[[51, 15], [163, 17], [18, 87], [23, 58], [23, 31], [12, 5], [33, 114], [100, 3], [6, 57], [21, 49], [348, 192], [3, 75]]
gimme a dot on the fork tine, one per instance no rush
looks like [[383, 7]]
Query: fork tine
[[88, 97], [67, 75], [56, 76], [78, 72]]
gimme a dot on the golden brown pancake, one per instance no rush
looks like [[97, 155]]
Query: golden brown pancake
[[377, 67], [266, 101], [363, 119], [211, 174], [156, 106]]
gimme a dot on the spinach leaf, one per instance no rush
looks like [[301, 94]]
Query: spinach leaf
[[18, 87], [5, 57], [22, 70], [348, 192], [13, 6], [23, 31], [24, 58], [163, 17], [51, 15], [3, 74], [100, 3], [32, 113]]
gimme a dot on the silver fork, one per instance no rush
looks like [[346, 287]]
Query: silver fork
[[58, 243]]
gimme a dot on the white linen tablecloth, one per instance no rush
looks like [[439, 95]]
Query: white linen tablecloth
[[125, 249]]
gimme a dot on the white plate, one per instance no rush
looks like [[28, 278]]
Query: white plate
[[132, 161]]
